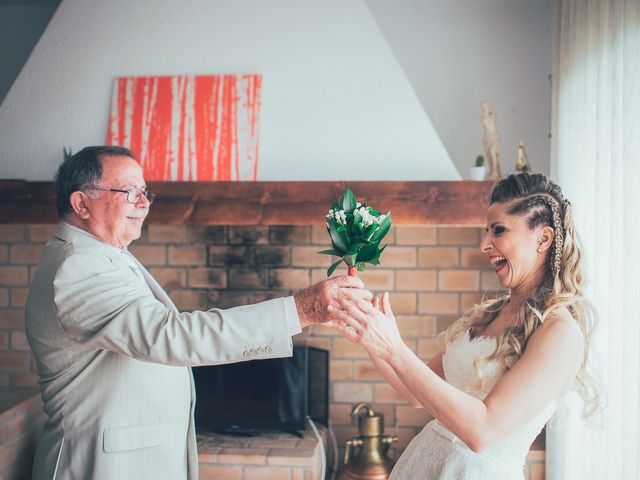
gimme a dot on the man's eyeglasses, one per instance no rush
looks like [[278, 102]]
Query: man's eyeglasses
[[134, 194]]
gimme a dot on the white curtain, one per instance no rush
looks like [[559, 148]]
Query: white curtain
[[596, 160]]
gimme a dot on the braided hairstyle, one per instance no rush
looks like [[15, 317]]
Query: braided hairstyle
[[540, 201]]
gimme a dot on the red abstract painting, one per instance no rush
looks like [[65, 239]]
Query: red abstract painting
[[189, 127]]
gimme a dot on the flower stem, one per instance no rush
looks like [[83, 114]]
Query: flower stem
[[353, 272]]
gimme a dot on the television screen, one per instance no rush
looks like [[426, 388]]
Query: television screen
[[264, 394]]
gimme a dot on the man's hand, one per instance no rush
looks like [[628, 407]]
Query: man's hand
[[313, 302]]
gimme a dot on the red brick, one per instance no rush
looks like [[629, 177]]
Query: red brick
[[218, 472], [14, 362], [4, 340], [19, 341], [459, 236], [244, 456], [490, 281], [385, 393], [379, 280], [309, 257], [341, 414], [270, 473], [415, 235], [4, 297], [458, 280], [168, 233], [14, 276], [191, 255], [4, 254], [416, 325], [207, 234], [290, 278], [343, 348], [248, 235], [14, 233], [472, 257], [403, 302], [339, 370], [19, 297], [149, 254], [428, 348], [320, 236], [352, 392], [207, 278], [438, 257], [248, 278], [415, 280], [25, 253], [170, 278], [291, 456], [187, 300], [29, 380], [41, 233], [12, 319], [399, 257], [438, 303], [468, 300], [289, 234], [229, 255], [271, 255]]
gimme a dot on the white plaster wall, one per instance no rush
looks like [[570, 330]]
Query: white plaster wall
[[335, 105], [458, 53]]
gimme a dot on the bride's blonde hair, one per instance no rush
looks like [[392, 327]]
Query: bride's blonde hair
[[540, 200]]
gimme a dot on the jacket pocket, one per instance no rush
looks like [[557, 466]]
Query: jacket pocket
[[120, 439]]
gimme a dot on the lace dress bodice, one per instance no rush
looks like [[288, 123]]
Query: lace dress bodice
[[436, 453]]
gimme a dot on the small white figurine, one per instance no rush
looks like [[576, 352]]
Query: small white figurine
[[491, 142]]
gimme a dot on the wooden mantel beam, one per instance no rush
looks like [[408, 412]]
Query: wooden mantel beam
[[271, 203]]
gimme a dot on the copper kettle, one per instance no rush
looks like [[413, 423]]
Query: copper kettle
[[366, 455]]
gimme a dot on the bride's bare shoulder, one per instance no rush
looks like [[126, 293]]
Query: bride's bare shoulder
[[559, 326]]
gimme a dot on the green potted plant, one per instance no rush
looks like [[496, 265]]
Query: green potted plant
[[478, 171]]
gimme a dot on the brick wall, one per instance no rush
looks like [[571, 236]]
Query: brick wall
[[432, 274]]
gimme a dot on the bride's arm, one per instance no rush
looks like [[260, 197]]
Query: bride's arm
[[389, 374], [551, 358]]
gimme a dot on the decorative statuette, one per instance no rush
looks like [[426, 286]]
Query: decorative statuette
[[491, 142], [522, 164]]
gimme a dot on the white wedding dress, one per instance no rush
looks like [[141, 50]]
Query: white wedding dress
[[436, 453]]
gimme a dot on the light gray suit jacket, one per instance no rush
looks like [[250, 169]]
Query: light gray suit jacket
[[113, 357]]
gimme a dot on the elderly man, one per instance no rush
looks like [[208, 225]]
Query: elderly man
[[112, 349]]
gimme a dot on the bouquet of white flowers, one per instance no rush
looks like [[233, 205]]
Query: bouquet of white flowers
[[356, 231]]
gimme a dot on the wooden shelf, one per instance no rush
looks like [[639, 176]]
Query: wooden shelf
[[271, 203]]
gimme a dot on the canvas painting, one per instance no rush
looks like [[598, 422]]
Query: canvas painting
[[188, 128]]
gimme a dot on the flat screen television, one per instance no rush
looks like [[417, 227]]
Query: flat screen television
[[273, 394]]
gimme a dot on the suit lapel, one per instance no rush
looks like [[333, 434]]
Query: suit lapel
[[155, 287]]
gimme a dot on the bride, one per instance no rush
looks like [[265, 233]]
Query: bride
[[508, 361]]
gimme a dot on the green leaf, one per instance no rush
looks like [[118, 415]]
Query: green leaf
[[382, 231], [337, 238], [348, 200], [330, 252], [350, 259], [367, 253], [332, 268]]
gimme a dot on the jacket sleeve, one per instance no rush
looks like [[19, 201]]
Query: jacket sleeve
[[98, 309]]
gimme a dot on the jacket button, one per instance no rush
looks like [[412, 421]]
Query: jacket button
[[245, 353], [268, 349]]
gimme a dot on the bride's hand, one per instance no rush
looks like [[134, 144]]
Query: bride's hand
[[369, 324]]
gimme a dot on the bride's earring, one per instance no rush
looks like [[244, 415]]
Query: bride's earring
[[539, 247]]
